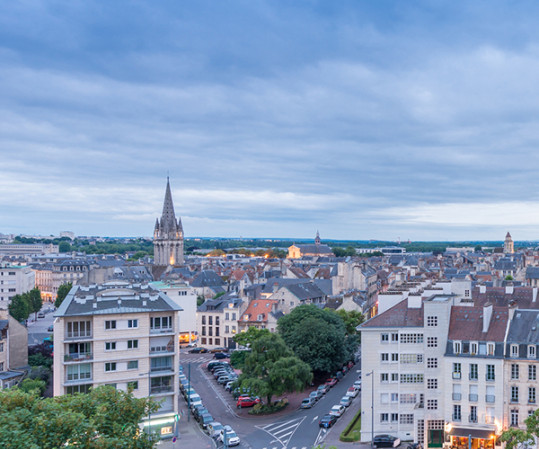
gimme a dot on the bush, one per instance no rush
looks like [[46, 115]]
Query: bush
[[39, 360], [266, 409], [352, 432], [33, 385], [40, 372], [237, 359]]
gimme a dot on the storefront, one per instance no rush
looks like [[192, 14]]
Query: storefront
[[466, 438], [165, 427]]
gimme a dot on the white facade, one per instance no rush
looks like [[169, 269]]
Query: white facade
[[14, 280]]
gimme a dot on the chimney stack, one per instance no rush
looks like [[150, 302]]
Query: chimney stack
[[487, 315]]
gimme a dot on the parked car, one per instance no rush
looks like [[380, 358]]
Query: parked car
[[352, 392], [225, 379], [231, 438], [214, 350], [414, 446], [327, 421], [331, 382], [50, 328], [40, 315], [385, 441], [357, 384], [198, 411], [315, 395], [205, 419], [323, 389], [198, 350], [221, 355], [214, 428], [338, 375], [346, 401], [307, 403], [215, 364], [337, 410], [247, 402]]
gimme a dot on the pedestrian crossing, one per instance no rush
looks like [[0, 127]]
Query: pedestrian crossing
[[282, 431]]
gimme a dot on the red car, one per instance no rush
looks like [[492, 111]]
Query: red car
[[247, 402], [331, 382]]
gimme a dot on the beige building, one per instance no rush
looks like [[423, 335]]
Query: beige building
[[14, 280], [49, 277], [13, 350], [120, 334], [217, 321]]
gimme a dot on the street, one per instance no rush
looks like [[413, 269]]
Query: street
[[37, 330]]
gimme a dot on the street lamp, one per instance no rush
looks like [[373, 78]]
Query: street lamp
[[372, 406]]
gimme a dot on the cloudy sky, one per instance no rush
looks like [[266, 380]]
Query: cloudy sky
[[363, 119]]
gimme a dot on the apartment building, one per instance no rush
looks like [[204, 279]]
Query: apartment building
[[124, 335], [217, 321], [50, 276], [13, 350], [14, 280]]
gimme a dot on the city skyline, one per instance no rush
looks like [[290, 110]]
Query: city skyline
[[362, 120]]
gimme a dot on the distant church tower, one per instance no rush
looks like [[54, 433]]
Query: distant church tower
[[317, 238], [508, 246], [168, 235]]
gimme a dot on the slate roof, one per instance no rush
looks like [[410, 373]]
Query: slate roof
[[4, 324], [207, 278], [524, 327], [466, 323], [305, 290], [219, 304], [505, 264], [532, 273], [522, 297], [314, 249], [115, 297], [400, 315]]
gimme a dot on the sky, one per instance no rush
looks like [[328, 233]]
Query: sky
[[361, 119]]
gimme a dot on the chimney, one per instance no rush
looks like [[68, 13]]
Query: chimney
[[512, 308], [414, 301], [482, 289], [487, 315], [534, 294], [509, 289], [275, 287]]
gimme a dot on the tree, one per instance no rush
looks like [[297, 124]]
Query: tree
[[508, 277], [272, 369], [478, 248], [63, 290], [33, 385], [105, 418], [200, 300], [514, 437], [19, 308], [248, 337], [34, 301], [351, 319], [317, 336], [64, 247]]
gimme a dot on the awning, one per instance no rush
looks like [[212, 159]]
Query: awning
[[484, 434]]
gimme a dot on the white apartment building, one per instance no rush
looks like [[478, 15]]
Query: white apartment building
[[14, 280], [217, 321], [120, 334]]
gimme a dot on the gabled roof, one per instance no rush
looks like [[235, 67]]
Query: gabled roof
[[400, 315], [207, 278], [305, 290], [466, 323], [259, 308]]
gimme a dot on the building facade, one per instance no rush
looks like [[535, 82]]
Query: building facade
[[124, 335], [14, 280]]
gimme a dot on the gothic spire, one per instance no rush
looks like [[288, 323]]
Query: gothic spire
[[168, 218]]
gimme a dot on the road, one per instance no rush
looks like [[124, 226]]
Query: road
[[37, 330], [296, 430]]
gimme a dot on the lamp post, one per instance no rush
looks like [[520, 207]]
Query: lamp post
[[372, 407]]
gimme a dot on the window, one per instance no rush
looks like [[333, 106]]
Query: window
[[110, 324], [394, 357], [162, 322], [473, 371], [457, 412], [432, 384], [531, 351], [531, 395], [514, 371], [491, 348], [81, 371], [457, 347], [72, 389], [456, 371], [384, 377], [411, 358], [432, 342], [514, 394], [227, 329], [406, 418], [514, 417], [203, 319], [132, 324], [384, 417], [473, 348], [394, 377], [132, 364], [457, 392], [394, 417], [411, 338], [432, 321], [473, 395], [432, 404], [411, 378], [132, 344], [2, 347], [490, 397], [76, 329], [432, 363], [532, 372], [110, 346], [408, 398], [384, 398], [473, 413], [110, 366], [491, 375], [210, 320], [384, 357], [394, 397], [384, 338], [394, 337], [133, 385], [514, 350]]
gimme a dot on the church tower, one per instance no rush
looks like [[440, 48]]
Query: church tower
[[508, 246], [317, 238], [168, 235]]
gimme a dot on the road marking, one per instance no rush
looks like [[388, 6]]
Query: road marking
[[314, 419], [276, 430], [321, 436]]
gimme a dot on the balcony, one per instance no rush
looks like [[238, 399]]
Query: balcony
[[78, 356], [456, 417], [472, 418], [473, 397], [72, 378], [490, 378], [161, 349], [161, 330], [160, 369], [161, 389], [456, 375], [457, 396], [514, 401], [78, 335], [474, 377], [490, 398]]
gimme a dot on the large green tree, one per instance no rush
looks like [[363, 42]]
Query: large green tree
[[250, 335], [63, 290], [514, 437], [34, 301], [19, 308], [105, 418], [272, 369], [318, 337]]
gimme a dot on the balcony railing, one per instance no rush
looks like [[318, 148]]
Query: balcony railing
[[472, 418], [73, 335], [78, 377], [161, 330], [456, 375], [157, 369], [473, 397], [161, 389], [78, 356], [456, 417], [457, 396], [490, 378], [474, 377], [514, 401], [161, 349], [490, 398]]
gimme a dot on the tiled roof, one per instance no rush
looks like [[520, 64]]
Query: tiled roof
[[522, 297], [466, 323], [400, 315], [259, 307]]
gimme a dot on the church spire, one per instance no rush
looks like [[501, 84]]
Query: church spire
[[168, 218]]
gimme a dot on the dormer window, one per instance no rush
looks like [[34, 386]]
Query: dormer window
[[473, 348], [531, 352], [491, 348], [514, 350], [457, 347]]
